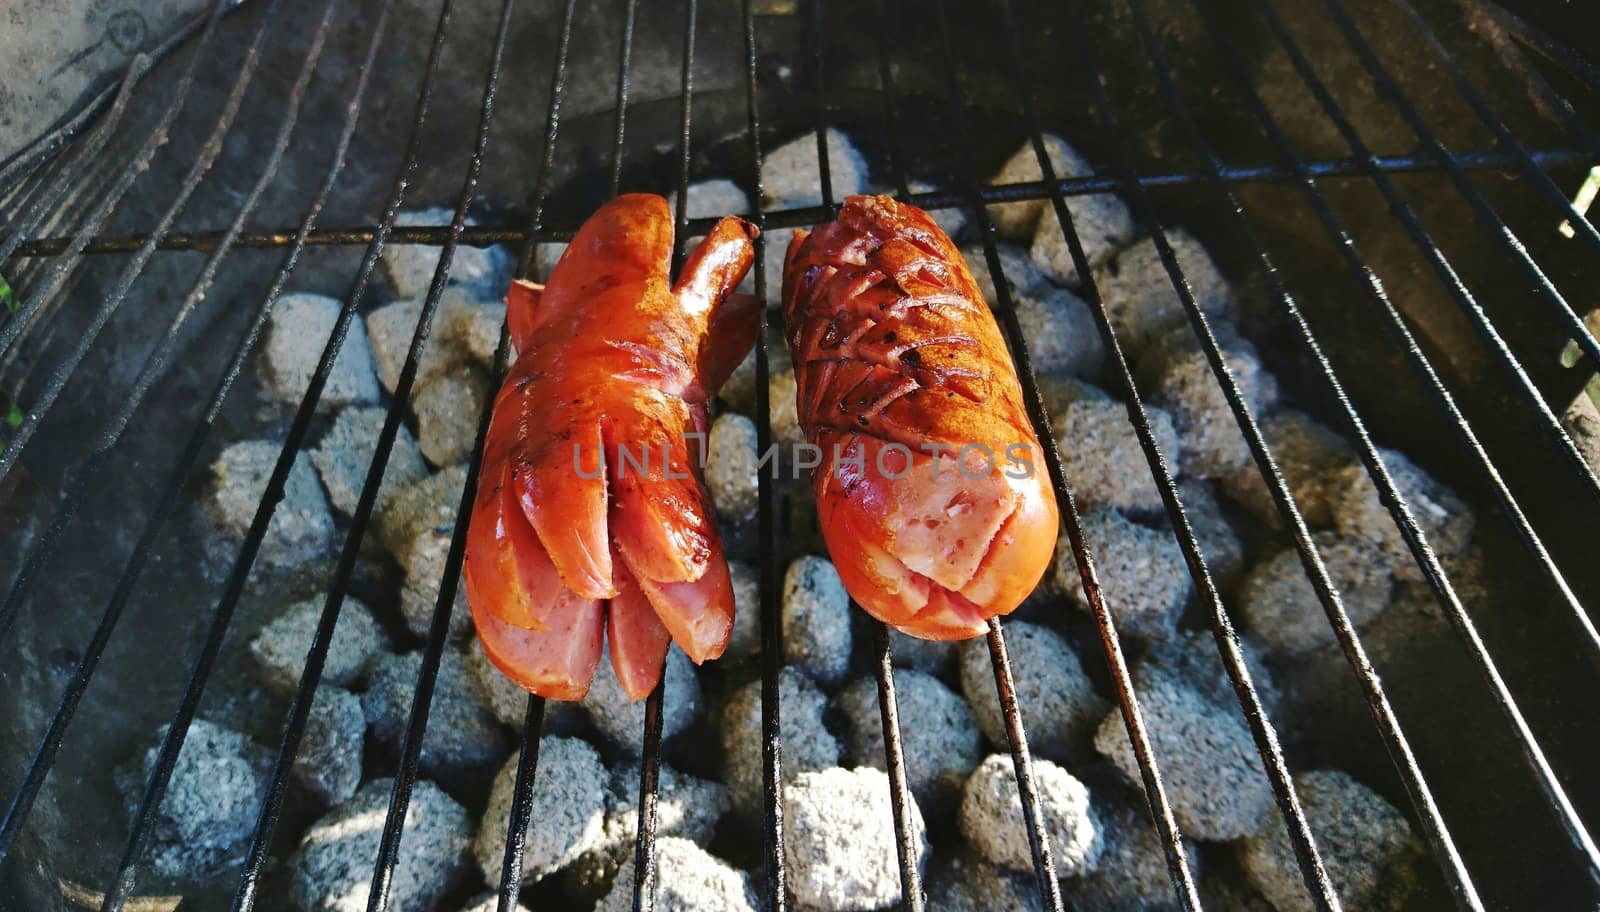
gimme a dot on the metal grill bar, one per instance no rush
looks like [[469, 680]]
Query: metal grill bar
[[776, 898], [1415, 538], [44, 756], [487, 235], [522, 803]]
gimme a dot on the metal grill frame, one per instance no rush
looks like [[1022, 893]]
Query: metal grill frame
[[30, 187]]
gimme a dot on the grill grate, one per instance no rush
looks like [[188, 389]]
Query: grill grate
[[38, 196]]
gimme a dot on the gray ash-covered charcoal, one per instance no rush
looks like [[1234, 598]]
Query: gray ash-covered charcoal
[[302, 525], [462, 740], [430, 503], [345, 452], [329, 763], [489, 902], [424, 571], [1101, 219], [546, 256], [410, 267], [745, 641], [964, 881], [1059, 393], [927, 656], [730, 468], [1175, 374], [839, 840], [621, 720], [465, 332], [1102, 459], [296, 336], [1368, 847], [1310, 457], [569, 809], [1445, 519], [777, 245], [993, 822], [781, 391], [1102, 223], [1132, 875], [790, 175], [1194, 656], [686, 807], [209, 810], [1059, 705], [1209, 763], [807, 743], [1060, 335], [1281, 607], [816, 620], [687, 879], [1218, 540], [1140, 298], [448, 411], [939, 737], [1021, 275], [332, 871], [1142, 573], [509, 703], [952, 220], [711, 199], [279, 650]]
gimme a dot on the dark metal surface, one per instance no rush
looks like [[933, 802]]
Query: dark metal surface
[[58, 256]]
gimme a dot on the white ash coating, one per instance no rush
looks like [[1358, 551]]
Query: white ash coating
[[1140, 298], [730, 469], [840, 840], [1368, 847], [302, 525], [1219, 541], [332, 871], [938, 736], [1059, 393], [329, 763], [781, 391], [410, 267], [1445, 519], [1208, 760], [448, 410], [345, 452], [1309, 456], [1021, 275], [546, 256], [951, 220], [1195, 657], [807, 743], [297, 333], [1019, 221], [745, 641], [1059, 705], [621, 720], [993, 822], [711, 199], [1102, 459], [791, 176], [687, 879], [1281, 606], [489, 902], [569, 808], [1132, 874], [1143, 577], [816, 620], [686, 807], [1176, 371], [777, 249], [1059, 332], [966, 882], [739, 390], [927, 656], [505, 700], [463, 323], [462, 737], [424, 571], [209, 811], [430, 503], [1102, 223], [279, 650]]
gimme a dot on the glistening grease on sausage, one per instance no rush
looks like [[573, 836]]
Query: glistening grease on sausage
[[932, 492], [590, 513]]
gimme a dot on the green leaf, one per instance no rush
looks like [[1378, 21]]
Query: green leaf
[[14, 416], [8, 296]]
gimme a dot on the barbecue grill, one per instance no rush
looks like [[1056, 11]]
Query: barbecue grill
[[106, 186]]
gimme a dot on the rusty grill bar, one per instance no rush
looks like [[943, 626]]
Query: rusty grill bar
[[35, 193]]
